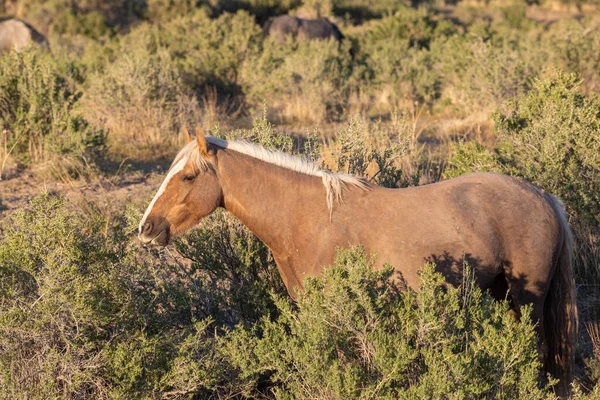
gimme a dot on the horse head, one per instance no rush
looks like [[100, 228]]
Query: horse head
[[190, 192]]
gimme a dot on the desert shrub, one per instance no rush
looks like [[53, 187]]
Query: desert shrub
[[84, 313], [93, 18], [315, 8], [513, 14], [362, 10], [355, 156], [66, 299], [354, 334], [397, 48], [471, 157], [549, 137], [406, 75], [40, 118], [90, 24], [199, 369], [386, 154], [264, 133], [414, 26], [141, 97], [150, 85], [261, 9], [303, 80], [166, 10], [497, 60], [481, 73], [231, 271], [211, 52], [569, 45]]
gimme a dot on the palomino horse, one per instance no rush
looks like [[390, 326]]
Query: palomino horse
[[513, 235]]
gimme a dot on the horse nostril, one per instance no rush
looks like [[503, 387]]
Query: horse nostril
[[147, 228]]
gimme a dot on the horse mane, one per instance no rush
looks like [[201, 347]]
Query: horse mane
[[335, 183]]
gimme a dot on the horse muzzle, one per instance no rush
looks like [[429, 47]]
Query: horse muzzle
[[155, 232]]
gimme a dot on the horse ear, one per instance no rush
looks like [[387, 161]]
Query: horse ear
[[188, 137], [201, 141]]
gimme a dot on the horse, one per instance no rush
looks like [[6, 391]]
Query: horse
[[515, 236], [298, 28], [16, 34]]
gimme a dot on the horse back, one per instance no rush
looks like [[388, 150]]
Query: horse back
[[495, 223]]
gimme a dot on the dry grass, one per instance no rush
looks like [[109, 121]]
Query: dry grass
[[144, 131], [587, 252], [300, 109], [360, 103], [593, 330], [5, 152], [215, 110]]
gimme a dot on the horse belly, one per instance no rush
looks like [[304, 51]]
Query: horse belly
[[446, 241], [449, 261]]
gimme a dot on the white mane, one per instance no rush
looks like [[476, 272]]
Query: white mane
[[334, 183]]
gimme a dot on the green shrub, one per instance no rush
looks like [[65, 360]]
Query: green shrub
[[361, 10], [551, 137], [303, 80], [262, 9], [166, 10], [548, 136], [149, 86], [356, 156], [199, 369], [482, 73], [316, 8], [263, 133], [387, 154], [140, 97], [210, 52], [90, 24], [354, 334], [415, 26], [61, 302], [92, 18], [40, 121], [86, 314], [231, 272], [514, 14], [410, 75], [398, 53], [471, 157], [569, 45]]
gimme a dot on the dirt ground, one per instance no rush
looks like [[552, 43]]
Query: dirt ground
[[107, 191]]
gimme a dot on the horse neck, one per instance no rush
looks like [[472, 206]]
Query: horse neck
[[277, 204]]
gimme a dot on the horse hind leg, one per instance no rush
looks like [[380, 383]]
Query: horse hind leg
[[523, 292], [518, 292]]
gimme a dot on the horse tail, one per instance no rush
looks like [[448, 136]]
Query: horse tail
[[560, 310]]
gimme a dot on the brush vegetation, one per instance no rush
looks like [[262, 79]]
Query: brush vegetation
[[419, 91], [84, 313]]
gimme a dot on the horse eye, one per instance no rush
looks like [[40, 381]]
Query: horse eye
[[188, 178]]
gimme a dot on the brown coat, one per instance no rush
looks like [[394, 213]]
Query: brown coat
[[513, 235]]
